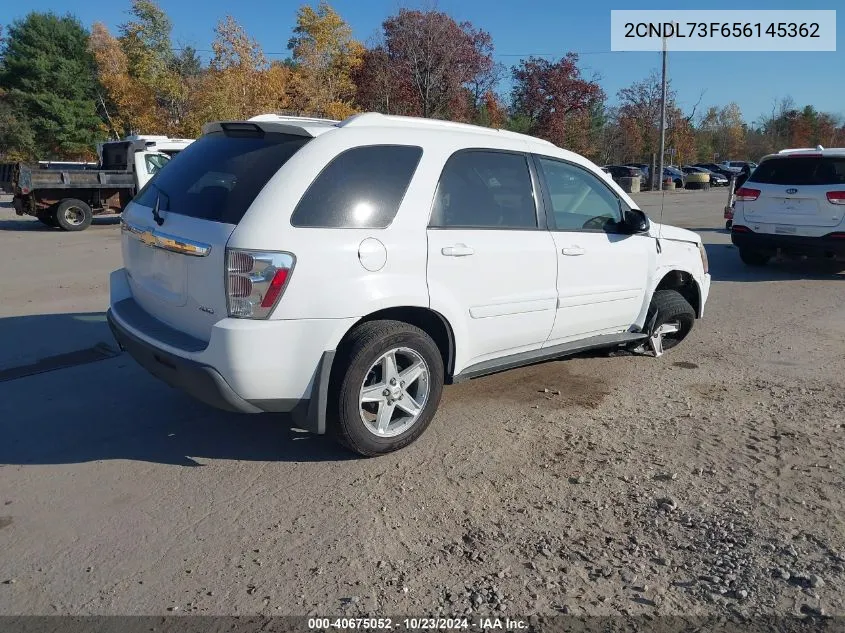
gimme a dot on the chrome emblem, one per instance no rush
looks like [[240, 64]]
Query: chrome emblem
[[208, 310], [147, 238], [792, 190]]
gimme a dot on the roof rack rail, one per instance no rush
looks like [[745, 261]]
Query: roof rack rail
[[281, 118], [377, 119]]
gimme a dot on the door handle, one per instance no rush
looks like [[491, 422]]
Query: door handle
[[458, 250], [573, 250]]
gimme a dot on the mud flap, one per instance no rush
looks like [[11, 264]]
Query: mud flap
[[312, 416]]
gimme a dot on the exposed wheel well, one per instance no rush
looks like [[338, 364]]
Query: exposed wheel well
[[685, 284], [431, 322]]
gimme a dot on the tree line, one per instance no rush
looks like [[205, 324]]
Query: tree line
[[64, 87]]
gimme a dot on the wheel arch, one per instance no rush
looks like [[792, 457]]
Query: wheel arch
[[430, 321], [685, 283]]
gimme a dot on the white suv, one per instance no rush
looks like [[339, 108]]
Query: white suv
[[793, 203], [345, 271]]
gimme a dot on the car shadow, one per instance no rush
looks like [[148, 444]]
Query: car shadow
[[725, 265], [109, 408]]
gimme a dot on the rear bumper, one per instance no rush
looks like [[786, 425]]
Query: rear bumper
[[197, 380], [824, 246], [248, 366]]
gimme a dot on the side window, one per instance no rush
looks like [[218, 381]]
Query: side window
[[485, 189], [580, 201], [361, 188]]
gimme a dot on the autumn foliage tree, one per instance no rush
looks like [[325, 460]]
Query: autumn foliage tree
[[427, 64], [126, 105], [722, 133], [556, 100], [326, 56], [241, 83]]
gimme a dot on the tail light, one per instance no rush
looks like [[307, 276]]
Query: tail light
[[746, 194], [738, 228], [836, 197], [837, 236], [255, 281]]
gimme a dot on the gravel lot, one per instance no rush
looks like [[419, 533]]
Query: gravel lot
[[708, 482]]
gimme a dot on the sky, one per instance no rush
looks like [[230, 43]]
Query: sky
[[549, 28]]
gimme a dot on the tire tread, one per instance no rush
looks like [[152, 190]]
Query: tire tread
[[359, 343]]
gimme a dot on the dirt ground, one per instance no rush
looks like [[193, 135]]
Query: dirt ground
[[710, 481]]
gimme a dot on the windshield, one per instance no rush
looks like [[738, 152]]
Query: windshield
[[155, 162]]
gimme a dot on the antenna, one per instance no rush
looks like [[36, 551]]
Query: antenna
[[663, 128]]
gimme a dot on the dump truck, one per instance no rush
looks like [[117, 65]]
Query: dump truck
[[70, 198]]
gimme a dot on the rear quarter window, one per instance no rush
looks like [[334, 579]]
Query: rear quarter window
[[361, 188], [800, 170], [218, 176]]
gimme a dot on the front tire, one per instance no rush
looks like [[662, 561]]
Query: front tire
[[753, 258], [74, 215], [387, 387], [674, 320]]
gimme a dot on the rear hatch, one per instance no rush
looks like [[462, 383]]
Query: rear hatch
[[794, 191], [174, 232]]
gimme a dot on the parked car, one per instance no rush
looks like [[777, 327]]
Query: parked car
[[69, 199], [717, 169], [625, 171], [716, 180], [736, 166], [793, 203], [293, 265], [677, 176], [645, 169]]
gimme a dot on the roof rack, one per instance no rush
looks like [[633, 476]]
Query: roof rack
[[365, 119], [284, 118]]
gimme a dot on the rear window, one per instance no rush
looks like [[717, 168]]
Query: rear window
[[218, 176], [360, 188], [800, 170]]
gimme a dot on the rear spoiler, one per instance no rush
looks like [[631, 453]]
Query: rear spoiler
[[308, 128]]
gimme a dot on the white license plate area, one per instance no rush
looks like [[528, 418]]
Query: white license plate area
[[799, 206], [161, 273], [785, 230]]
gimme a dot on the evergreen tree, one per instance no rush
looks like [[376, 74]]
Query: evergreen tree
[[48, 77]]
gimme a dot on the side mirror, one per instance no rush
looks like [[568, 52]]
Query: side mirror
[[635, 221]]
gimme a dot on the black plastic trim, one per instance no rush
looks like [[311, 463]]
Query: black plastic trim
[[200, 381], [537, 356], [797, 244]]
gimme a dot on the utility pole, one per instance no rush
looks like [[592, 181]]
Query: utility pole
[[663, 115]]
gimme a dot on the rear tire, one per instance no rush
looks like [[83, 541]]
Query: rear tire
[[753, 258], [74, 215], [672, 310], [369, 410]]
